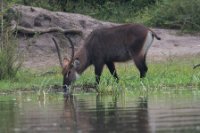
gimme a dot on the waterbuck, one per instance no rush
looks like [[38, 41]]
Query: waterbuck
[[106, 46]]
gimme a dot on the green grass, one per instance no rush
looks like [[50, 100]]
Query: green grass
[[161, 75], [170, 74], [26, 81]]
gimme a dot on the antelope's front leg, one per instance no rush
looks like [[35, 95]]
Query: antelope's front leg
[[98, 71]]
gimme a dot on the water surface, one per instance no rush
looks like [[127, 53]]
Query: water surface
[[173, 111]]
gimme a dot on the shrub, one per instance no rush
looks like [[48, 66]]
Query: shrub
[[9, 64], [180, 14]]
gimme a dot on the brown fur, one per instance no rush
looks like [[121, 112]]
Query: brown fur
[[108, 45]]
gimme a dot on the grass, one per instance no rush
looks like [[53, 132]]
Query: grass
[[170, 74], [161, 75], [26, 81]]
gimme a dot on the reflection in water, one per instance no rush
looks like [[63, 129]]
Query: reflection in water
[[110, 118], [116, 119], [30, 113], [7, 109]]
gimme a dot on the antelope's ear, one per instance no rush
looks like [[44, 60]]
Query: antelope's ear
[[65, 62], [76, 63]]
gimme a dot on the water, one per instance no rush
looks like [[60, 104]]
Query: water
[[169, 112]]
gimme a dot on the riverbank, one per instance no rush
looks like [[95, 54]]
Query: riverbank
[[174, 73]]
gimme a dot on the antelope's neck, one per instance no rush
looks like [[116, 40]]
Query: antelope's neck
[[82, 56]]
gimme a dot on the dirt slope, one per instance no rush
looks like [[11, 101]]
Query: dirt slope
[[174, 44]]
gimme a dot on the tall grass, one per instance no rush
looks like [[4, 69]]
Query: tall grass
[[29, 80], [171, 74], [9, 63]]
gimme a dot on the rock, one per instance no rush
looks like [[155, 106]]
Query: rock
[[37, 26]]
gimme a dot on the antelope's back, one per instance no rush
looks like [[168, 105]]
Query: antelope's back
[[114, 44]]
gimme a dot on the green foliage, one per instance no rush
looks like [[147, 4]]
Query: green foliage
[[179, 14], [9, 63], [66, 5], [109, 10]]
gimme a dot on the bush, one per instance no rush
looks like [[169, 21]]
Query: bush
[[9, 64], [108, 10], [180, 14]]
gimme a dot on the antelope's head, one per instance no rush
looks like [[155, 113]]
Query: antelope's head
[[69, 71], [68, 66]]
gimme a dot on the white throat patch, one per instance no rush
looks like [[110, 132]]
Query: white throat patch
[[77, 75]]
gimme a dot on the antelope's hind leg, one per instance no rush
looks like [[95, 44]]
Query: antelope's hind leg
[[140, 62], [111, 67]]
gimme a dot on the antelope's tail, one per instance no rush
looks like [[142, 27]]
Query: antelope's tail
[[155, 35]]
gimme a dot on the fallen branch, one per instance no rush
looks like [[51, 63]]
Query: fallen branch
[[198, 65], [25, 30]]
